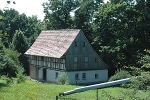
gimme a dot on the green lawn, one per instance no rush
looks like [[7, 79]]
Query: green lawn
[[43, 91]]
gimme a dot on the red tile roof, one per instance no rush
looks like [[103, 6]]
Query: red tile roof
[[53, 43]]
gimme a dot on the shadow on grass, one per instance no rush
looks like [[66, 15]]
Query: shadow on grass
[[3, 85]]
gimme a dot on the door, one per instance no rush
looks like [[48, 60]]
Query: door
[[44, 73]]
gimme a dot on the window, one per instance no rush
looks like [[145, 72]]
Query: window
[[75, 44], [84, 44], [96, 60], [86, 59], [62, 63], [83, 76], [76, 76], [55, 63], [96, 76], [75, 59], [56, 75]]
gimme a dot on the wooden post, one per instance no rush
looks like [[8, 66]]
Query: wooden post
[[56, 97], [96, 94]]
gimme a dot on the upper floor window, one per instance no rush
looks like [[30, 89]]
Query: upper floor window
[[96, 60], [75, 59], [75, 44], [84, 44], [86, 59], [62, 63]]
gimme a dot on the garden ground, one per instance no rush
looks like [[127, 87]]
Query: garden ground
[[31, 90]]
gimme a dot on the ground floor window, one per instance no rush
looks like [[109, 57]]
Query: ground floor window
[[56, 75], [76, 76], [96, 76], [83, 76]]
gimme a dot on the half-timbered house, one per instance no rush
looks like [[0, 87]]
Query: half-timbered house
[[67, 51]]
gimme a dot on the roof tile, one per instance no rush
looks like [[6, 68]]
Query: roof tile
[[53, 43]]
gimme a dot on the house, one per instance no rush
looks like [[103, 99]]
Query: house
[[67, 51]]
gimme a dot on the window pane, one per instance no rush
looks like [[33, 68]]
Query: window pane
[[76, 44], [84, 44], [86, 59], [76, 76], [75, 59], [56, 75], [96, 60], [84, 76], [96, 76]]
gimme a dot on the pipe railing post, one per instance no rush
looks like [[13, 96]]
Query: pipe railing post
[[56, 97], [96, 94]]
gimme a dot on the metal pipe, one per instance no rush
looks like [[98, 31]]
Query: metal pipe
[[96, 86]]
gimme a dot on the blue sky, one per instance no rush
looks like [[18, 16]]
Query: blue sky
[[29, 7]]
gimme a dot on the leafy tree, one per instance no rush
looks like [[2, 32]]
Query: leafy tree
[[20, 44], [83, 18], [29, 28], [9, 62], [145, 61], [34, 27], [121, 33], [57, 13]]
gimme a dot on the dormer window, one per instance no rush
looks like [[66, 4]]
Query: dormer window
[[75, 44], [84, 44]]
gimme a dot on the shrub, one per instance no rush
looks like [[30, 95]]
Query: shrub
[[20, 76], [62, 79], [120, 75], [141, 82], [6, 79]]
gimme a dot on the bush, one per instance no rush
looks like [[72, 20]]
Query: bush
[[6, 79], [20, 76], [120, 75], [141, 82], [62, 79]]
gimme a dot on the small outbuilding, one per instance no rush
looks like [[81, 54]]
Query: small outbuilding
[[68, 51]]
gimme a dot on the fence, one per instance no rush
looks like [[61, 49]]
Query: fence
[[92, 92]]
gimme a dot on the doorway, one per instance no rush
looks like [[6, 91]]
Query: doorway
[[44, 73]]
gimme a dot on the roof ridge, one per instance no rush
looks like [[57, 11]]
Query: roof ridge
[[62, 30]]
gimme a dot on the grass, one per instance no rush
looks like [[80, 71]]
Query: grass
[[43, 91]]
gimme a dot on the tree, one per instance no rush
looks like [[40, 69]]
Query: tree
[[121, 33], [34, 27], [57, 13], [20, 44], [9, 63], [145, 61], [83, 18]]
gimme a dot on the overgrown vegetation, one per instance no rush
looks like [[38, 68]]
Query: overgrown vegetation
[[62, 79], [122, 74]]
